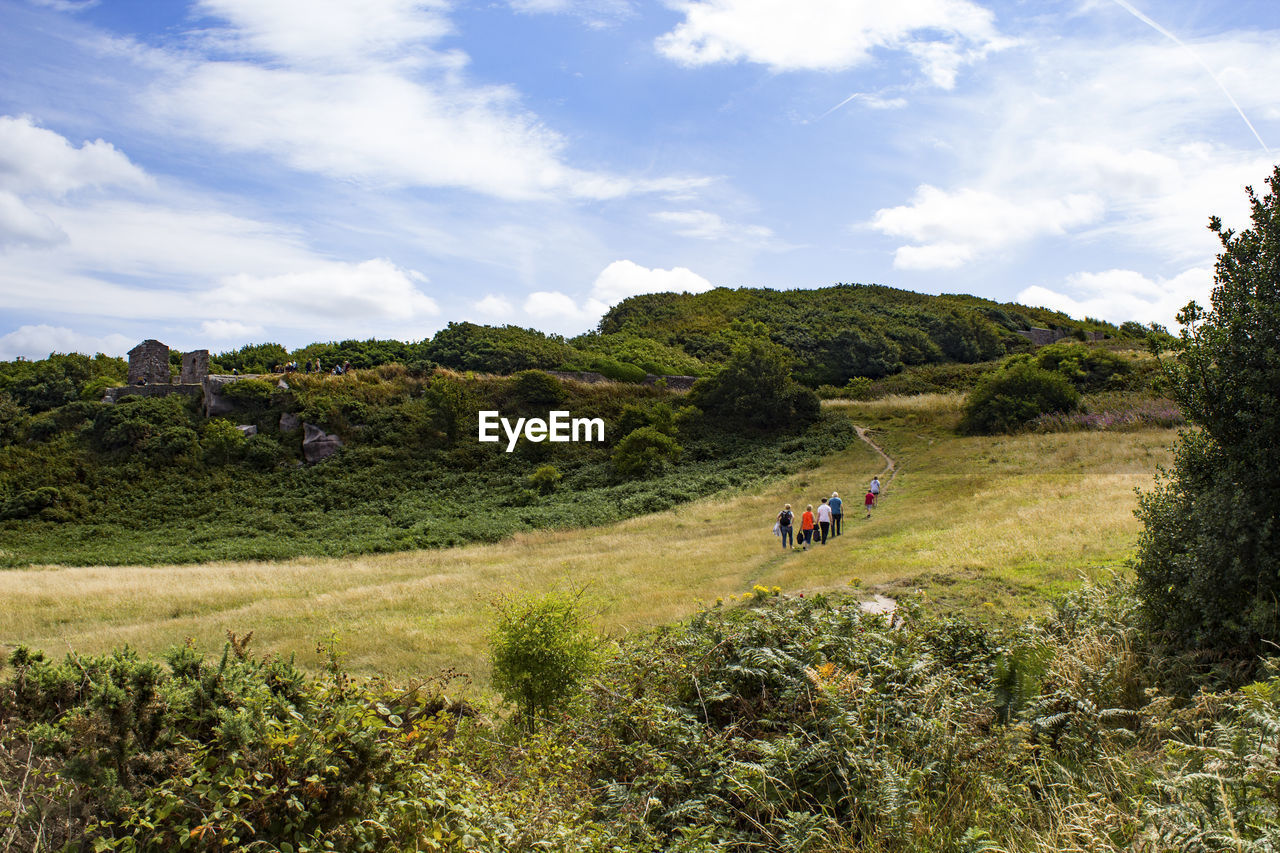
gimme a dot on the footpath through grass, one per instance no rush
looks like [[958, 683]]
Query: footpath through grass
[[1005, 520]]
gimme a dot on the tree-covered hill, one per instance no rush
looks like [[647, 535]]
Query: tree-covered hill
[[837, 333]]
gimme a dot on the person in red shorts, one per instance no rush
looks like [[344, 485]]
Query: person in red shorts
[[870, 501]]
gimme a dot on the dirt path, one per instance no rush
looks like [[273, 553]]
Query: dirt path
[[889, 464]]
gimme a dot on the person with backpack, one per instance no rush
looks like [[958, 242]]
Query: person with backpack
[[784, 527], [875, 489], [837, 513]]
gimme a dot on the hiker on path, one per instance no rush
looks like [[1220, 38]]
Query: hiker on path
[[870, 501], [837, 513], [875, 489], [784, 527], [824, 520], [806, 527]]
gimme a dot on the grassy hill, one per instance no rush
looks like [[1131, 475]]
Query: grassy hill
[[1007, 520]]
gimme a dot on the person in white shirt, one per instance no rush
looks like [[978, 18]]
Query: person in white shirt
[[875, 490], [824, 520]]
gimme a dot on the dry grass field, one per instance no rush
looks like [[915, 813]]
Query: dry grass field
[[996, 523]]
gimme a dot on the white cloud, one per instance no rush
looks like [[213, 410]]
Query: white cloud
[[956, 226], [832, 35], [22, 226], [38, 161], [626, 278], [361, 93], [552, 305], [229, 330], [705, 225], [494, 307], [328, 32], [375, 290], [67, 5], [1126, 146], [39, 341], [1118, 295]]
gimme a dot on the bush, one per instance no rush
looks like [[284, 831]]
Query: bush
[[545, 479], [645, 450], [1015, 396], [541, 650]]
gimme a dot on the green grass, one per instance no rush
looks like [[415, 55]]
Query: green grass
[[1005, 520]]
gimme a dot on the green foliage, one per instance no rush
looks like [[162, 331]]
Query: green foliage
[[645, 450], [249, 393], [545, 479], [1014, 396], [649, 355], [1088, 368], [755, 389], [1208, 561], [59, 379], [542, 650], [834, 334], [251, 358], [502, 350]]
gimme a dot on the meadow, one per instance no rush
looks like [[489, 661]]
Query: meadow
[[993, 524]]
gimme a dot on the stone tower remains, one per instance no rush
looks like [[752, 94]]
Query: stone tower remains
[[195, 367], [149, 364]]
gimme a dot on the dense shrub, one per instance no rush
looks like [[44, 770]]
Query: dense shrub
[[755, 389], [1014, 396]]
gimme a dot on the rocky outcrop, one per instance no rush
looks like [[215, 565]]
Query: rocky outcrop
[[289, 422], [214, 403], [318, 444], [248, 429]]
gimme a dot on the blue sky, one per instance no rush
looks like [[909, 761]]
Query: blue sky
[[221, 172]]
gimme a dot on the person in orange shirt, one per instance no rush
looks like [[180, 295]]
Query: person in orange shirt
[[806, 527]]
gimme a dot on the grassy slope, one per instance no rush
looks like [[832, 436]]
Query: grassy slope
[[968, 519]]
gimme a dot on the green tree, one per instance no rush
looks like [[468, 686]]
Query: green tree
[[1208, 561], [755, 389], [1014, 395], [541, 649]]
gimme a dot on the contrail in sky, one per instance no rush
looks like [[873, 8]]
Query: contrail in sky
[[1128, 7]]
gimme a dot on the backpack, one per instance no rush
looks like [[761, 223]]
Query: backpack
[[784, 518]]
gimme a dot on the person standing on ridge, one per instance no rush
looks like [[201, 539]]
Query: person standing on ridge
[[824, 520], [837, 513]]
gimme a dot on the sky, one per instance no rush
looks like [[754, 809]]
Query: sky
[[223, 172]]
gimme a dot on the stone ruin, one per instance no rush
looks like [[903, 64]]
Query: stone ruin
[[195, 367], [149, 364]]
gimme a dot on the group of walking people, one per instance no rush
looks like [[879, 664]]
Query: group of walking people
[[817, 526]]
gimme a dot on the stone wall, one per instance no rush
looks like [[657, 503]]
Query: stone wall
[[149, 364]]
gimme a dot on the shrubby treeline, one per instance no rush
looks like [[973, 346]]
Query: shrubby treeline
[[151, 479]]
